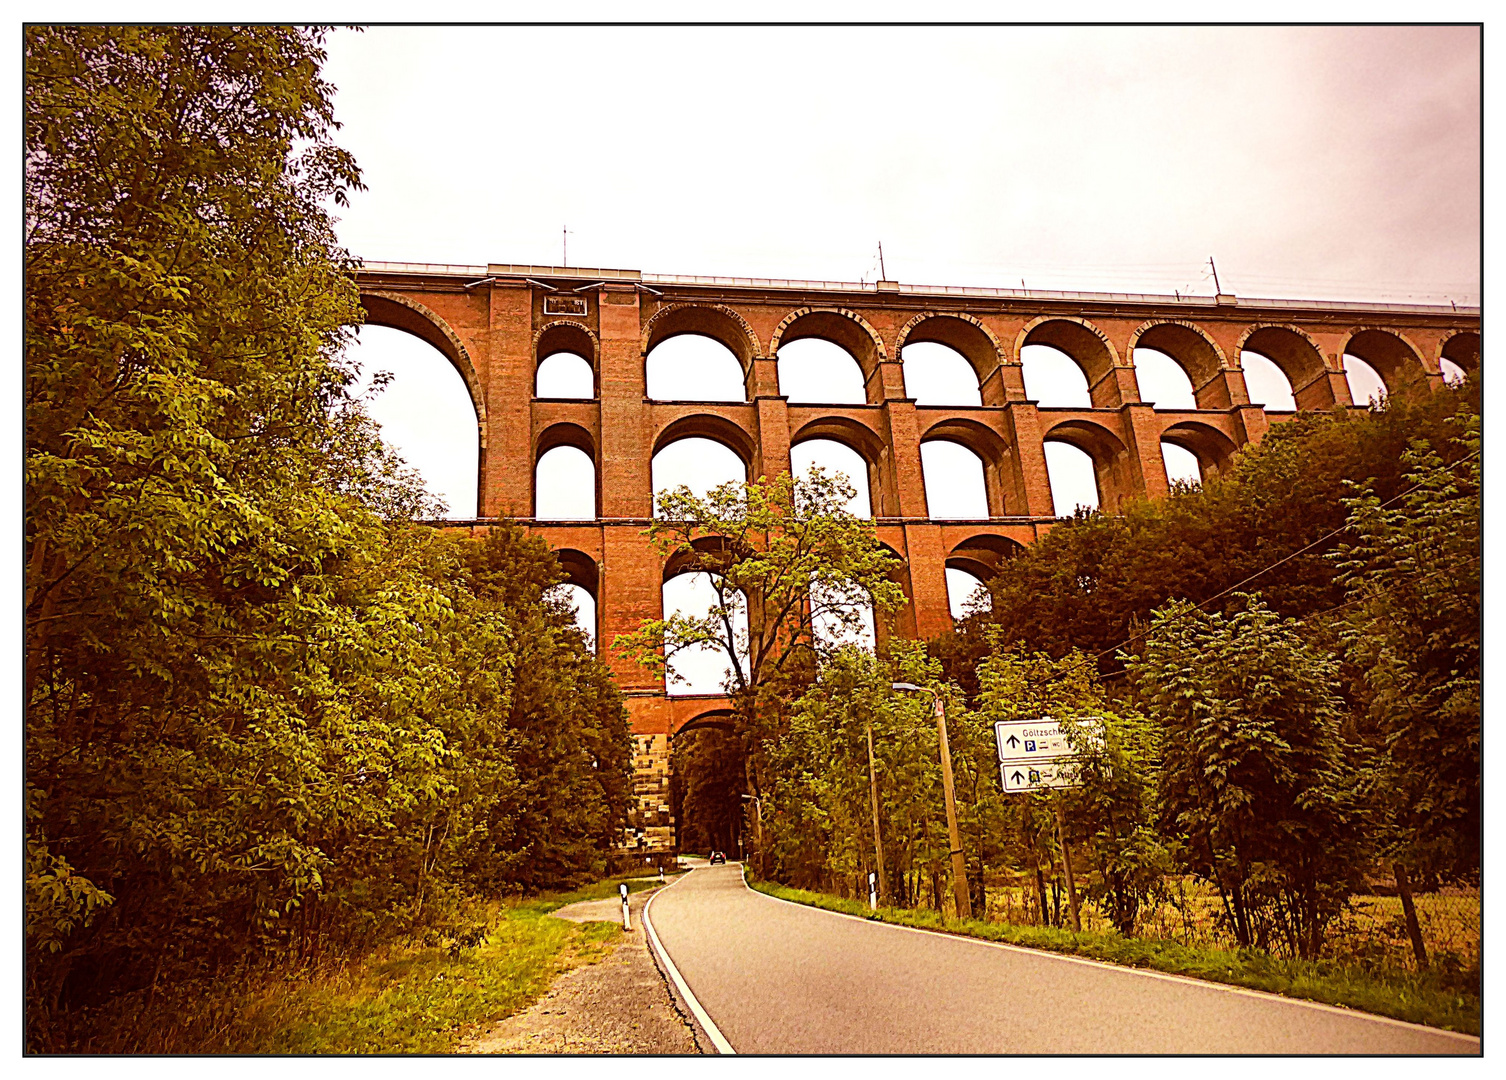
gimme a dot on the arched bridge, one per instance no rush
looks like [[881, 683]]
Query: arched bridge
[[496, 324]]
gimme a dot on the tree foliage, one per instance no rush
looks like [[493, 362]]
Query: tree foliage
[[786, 560], [1254, 772], [1411, 573], [264, 711], [1093, 581], [1111, 812]]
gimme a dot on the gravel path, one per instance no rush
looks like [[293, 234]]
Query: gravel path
[[618, 1005]]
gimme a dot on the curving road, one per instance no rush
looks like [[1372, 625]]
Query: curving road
[[780, 978]]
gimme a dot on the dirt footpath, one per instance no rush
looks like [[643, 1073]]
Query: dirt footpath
[[619, 1005]]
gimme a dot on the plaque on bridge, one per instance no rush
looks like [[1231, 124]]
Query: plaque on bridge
[[564, 305]]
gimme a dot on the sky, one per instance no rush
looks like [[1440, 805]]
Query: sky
[[1309, 162]]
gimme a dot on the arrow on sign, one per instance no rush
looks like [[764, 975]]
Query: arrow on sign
[[1017, 776], [1012, 741]]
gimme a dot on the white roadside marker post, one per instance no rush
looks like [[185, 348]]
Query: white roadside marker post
[[626, 922], [873, 890]]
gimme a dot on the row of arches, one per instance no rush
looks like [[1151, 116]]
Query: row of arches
[[971, 564], [706, 354], [963, 466], [453, 443]]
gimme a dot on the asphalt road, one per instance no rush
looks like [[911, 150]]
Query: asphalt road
[[780, 978]]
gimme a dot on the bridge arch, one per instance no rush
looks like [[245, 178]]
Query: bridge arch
[[563, 440], [1461, 347], [581, 572], [402, 313], [1189, 345], [722, 719], [1395, 359], [1295, 352], [707, 426], [1213, 449], [1089, 347], [983, 554], [716, 321], [844, 328], [568, 337], [862, 440], [986, 444], [959, 331], [1108, 454]]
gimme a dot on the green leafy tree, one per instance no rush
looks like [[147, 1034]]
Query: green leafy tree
[[1254, 775], [1412, 628], [1110, 814], [567, 730], [1093, 580], [787, 560], [265, 712], [818, 819]]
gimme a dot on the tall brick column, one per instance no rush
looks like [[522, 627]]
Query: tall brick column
[[508, 367], [631, 578]]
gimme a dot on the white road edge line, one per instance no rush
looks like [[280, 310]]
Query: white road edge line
[[1205, 983], [717, 1038]]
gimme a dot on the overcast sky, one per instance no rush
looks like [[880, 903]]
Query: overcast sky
[[1310, 162]]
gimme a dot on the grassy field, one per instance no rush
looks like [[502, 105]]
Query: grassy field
[[1434, 997], [1372, 933], [407, 998]]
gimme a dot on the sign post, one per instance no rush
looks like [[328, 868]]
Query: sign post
[[1037, 755]]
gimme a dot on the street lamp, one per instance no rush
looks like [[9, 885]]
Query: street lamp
[[878, 842], [959, 868], [757, 829]]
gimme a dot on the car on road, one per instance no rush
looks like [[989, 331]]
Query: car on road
[[718, 857]]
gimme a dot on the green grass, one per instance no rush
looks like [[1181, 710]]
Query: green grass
[[406, 998], [1421, 998]]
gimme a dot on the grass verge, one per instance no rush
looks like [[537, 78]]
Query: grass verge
[[409, 997], [1418, 997]]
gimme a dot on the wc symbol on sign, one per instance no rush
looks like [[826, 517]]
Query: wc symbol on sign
[[1029, 746]]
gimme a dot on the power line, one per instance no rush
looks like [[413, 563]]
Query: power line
[[1232, 588]]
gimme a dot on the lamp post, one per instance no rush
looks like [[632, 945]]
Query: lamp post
[[959, 868], [757, 829], [878, 843]]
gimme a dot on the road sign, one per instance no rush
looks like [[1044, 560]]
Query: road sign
[[1037, 755], [1041, 740], [1036, 776]]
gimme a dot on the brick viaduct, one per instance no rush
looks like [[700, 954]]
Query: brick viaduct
[[497, 323]]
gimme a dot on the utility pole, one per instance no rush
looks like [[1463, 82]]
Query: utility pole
[[884, 274], [959, 868], [564, 246], [1216, 286], [878, 843]]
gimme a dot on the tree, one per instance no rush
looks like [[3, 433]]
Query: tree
[[790, 558], [1094, 579], [1412, 629], [1254, 775], [1110, 812], [567, 731], [818, 812], [266, 713]]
